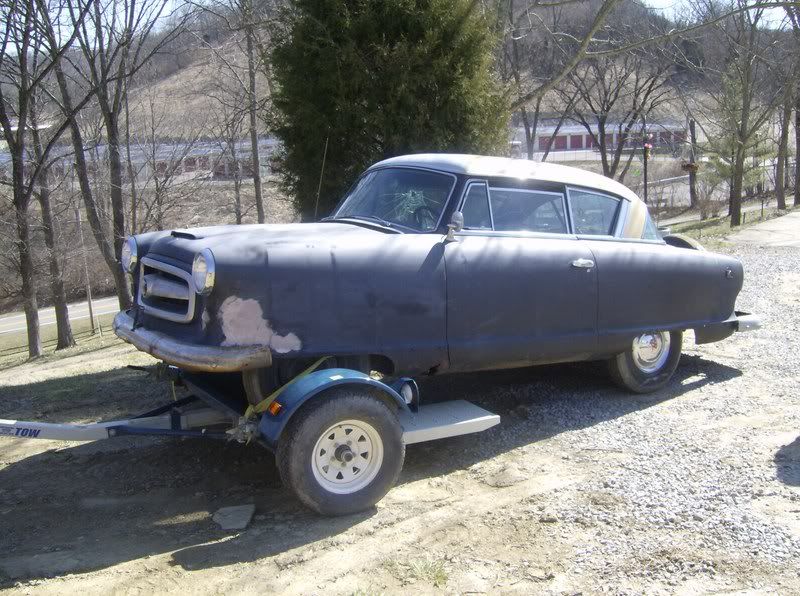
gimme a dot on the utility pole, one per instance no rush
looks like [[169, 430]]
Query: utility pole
[[692, 164], [646, 146]]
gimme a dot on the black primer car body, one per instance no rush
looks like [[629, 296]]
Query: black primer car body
[[401, 293]]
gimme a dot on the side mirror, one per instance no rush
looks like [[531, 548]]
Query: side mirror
[[456, 225]]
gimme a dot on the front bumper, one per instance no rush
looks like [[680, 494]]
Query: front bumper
[[189, 356], [740, 321]]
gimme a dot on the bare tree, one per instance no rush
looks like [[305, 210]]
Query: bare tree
[[739, 93], [615, 94], [27, 58], [167, 185], [118, 40], [793, 14], [243, 18], [530, 55], [65, 338], [785, 124]]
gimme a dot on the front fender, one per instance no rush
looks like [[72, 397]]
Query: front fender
[[295, 395]]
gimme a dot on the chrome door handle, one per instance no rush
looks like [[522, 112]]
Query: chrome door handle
[[583, 263]]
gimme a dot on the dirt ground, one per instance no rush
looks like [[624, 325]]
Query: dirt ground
[[581, 488]]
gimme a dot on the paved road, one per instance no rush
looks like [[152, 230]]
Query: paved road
[[781, 231], [15, 322]]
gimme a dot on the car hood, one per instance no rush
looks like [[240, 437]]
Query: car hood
[[236, 242]]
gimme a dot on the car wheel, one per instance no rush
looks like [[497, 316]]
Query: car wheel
[[649, 363], [341, 453]]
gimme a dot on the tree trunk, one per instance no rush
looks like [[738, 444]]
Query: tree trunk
[[237, 182], [251, 74], [553, 136], [783, 147], [63, 326], [797, 151], [117, 204], [26, 269], [529, 141], [131, 171], [692, 170], [736, 187], [601, 141], [89, 201]]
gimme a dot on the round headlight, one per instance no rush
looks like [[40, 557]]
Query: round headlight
[[129, 255], [203, 271]]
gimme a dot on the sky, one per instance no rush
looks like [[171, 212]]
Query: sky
[[773, 15]]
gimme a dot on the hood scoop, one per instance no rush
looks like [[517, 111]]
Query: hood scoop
[[185, 234]]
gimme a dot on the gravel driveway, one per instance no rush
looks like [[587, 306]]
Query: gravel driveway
[[582, 488]]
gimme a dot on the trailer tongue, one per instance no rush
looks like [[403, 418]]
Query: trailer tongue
[[431, 422], [339, 435]]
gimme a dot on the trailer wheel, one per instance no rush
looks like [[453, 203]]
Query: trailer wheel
[[649, 363], [342, 452]]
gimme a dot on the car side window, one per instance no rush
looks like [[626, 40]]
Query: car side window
[[527, 210], [650, 231], [476, 208], [593, 213]]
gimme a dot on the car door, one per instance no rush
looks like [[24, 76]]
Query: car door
[[643, 284], [520, 288]]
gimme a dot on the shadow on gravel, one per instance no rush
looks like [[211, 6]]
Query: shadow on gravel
[[97, 505], [787, 463]]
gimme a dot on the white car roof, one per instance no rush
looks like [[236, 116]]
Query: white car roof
[[485, 166]]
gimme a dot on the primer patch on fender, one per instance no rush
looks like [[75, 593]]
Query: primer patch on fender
[[243, 324]]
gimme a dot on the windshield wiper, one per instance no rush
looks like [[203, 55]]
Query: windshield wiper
[[374, 218]]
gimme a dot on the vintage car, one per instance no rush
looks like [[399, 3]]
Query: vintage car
[[430, 264]]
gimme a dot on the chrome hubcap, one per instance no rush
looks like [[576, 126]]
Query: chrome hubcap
[[347, 456], [650, 351]]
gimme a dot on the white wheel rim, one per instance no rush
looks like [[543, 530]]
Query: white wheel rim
[[650, 351], [347, 457]]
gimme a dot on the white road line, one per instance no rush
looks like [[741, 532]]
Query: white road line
[[51, 311], [44, 324]]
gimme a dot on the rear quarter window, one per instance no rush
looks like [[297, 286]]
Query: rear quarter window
[[593, 213]]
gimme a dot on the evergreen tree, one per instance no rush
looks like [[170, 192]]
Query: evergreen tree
[[375, 79]]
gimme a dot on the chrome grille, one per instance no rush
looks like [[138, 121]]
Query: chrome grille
[[165, 291]]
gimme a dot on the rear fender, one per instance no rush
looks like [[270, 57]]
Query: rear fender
[[314, 384]]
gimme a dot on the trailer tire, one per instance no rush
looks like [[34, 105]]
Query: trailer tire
[[341, 452], [642, 371]]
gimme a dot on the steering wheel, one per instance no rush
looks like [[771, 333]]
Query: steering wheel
[[419, 214]]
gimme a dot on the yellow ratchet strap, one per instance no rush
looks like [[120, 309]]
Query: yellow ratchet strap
[[262, 406]]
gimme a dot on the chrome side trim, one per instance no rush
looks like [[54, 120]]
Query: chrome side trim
[[519, 234], [160, 312], [189, 356]]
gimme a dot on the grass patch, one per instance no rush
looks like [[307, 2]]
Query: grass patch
[[427, 570], [14, 346], [83, 384]]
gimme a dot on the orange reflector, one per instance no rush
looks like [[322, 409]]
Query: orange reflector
[[274, 408]]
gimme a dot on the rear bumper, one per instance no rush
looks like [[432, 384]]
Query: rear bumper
[[189, 356], [740, 321], [747, 322]]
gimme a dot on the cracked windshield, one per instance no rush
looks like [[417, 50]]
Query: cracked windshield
[[399, 197]]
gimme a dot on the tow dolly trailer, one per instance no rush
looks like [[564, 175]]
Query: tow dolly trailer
[[347, 460]]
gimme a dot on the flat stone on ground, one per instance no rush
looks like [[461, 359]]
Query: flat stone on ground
[[236, 517]]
